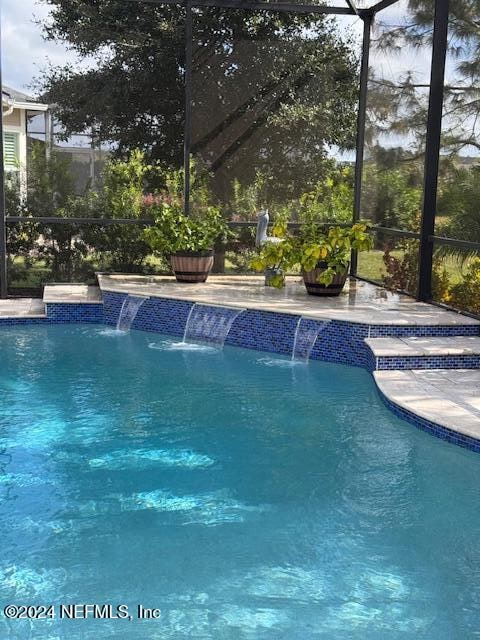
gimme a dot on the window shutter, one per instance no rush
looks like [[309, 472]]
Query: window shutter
[[10, 149]]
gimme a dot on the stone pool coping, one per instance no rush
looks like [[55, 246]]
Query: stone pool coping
[[22, 308], [71, 294], [360, 303]]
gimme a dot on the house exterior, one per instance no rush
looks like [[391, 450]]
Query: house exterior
[[24, 119]]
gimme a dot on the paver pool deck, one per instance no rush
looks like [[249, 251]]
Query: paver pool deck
[[447, 397]]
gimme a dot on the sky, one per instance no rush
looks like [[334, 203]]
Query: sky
[[24, 52]]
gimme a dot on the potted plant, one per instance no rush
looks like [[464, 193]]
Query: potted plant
[[323, 255], [187, 241], [325, 259], [274, 259], [275, 255]]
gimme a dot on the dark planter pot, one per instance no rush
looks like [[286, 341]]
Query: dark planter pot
[[192, 266], [314, 288], [271, 273]]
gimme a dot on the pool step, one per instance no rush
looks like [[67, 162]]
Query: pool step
[[71, 294], [439, 352], [444, 397], [22, 308]]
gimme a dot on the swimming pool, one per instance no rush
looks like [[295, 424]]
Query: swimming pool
[[242, 496]]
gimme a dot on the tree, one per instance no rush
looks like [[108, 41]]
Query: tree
[[268, 100], [398, 103], [457, 206], [21, 236], [271, 90], [404, 100], [50, 193], [392, 189]]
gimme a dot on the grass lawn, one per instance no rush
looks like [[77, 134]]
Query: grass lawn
[[371, 266]]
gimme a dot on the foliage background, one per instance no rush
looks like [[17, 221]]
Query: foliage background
[[273, 95]]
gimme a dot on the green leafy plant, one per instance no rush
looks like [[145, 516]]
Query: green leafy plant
[[332, 250], [51, 193], [328, 249], [174, 231], [21, 237], [330, 199], [278, 257], [247, 199], [391, 192], [402, 270]]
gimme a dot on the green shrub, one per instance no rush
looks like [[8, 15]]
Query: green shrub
[[466, 294], [402, 272], [121, 196], [329, 247]]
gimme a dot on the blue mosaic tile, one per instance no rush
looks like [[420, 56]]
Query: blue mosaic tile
[[428, 362], [5, 322], [386, 330], [343, 343], [112, 304], [163, 316], [60, 313], [338, 341], [263, 331]]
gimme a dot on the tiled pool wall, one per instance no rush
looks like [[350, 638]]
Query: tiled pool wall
[[338, 341], [61, 313], [427, 362], [11, 321]]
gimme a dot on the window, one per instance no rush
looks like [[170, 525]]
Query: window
[[11, 150]]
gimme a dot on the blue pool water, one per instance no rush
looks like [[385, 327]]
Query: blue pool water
[[244, 497]]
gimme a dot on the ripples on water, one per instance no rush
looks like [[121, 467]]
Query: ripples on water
[[169, 345], [247, 496]]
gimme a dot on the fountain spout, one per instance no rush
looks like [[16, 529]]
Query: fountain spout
[[306, 334], [209, 325], [128, 312]]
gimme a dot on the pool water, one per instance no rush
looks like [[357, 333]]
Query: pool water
[[243, 499]]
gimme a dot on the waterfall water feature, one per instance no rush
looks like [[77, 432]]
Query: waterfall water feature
[[128, 312], [209, 325], [306, 333]]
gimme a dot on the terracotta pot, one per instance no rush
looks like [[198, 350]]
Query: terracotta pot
[[314, 288], [192, 266]]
